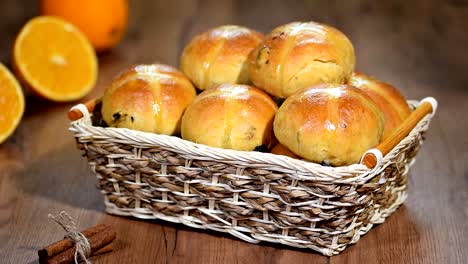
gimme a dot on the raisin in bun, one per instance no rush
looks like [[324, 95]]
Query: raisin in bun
[[329, 124], [230, 116], [299, 55], [150, 98], [387, 97], [219, 56]]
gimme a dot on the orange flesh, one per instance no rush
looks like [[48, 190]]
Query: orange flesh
[[55, 59], [11, 103]]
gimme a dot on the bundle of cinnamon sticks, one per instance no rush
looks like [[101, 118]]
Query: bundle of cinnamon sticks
[[100, 238]]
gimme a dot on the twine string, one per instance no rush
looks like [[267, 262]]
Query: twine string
[[82, 246]]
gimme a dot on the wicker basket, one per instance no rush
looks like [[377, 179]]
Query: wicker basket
[[253, 196]]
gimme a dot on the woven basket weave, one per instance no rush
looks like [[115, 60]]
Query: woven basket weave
[[253, 196]]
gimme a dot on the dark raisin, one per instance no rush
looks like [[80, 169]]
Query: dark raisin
[[278, 101], [116, 116], [267, 61], [131, 118], [261, 148], [96, 118], [102, 123]]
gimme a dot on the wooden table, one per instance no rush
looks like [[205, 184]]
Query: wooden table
[[420, 47]]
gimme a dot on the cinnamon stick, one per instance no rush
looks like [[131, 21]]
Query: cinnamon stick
[[70, 258], [67, 243], [99, 242], [76, 114], [107, 248], [399, 133]]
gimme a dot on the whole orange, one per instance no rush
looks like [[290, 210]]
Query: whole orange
[[102, 21]]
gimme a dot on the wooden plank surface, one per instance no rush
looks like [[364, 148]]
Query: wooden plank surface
[[419, 46]]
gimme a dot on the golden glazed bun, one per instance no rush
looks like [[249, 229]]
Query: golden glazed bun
[[230, 116], [387, 97], [330, 124], [150, 98], [219, 56], [299, 55], [282, 150]]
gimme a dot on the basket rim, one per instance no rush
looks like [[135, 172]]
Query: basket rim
[[301, 169]]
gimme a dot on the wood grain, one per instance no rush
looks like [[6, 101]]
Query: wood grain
[[418, 46]]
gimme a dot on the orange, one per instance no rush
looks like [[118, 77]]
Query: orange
[[54, 59], [11, 103], [103, 21]]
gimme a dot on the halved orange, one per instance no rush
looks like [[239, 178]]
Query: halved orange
[[55, 59], [11, 103]]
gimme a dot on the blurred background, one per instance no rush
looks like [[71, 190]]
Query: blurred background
[[406, 43]]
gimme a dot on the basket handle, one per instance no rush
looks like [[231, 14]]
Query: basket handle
[[75, 113], [374, 156]]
